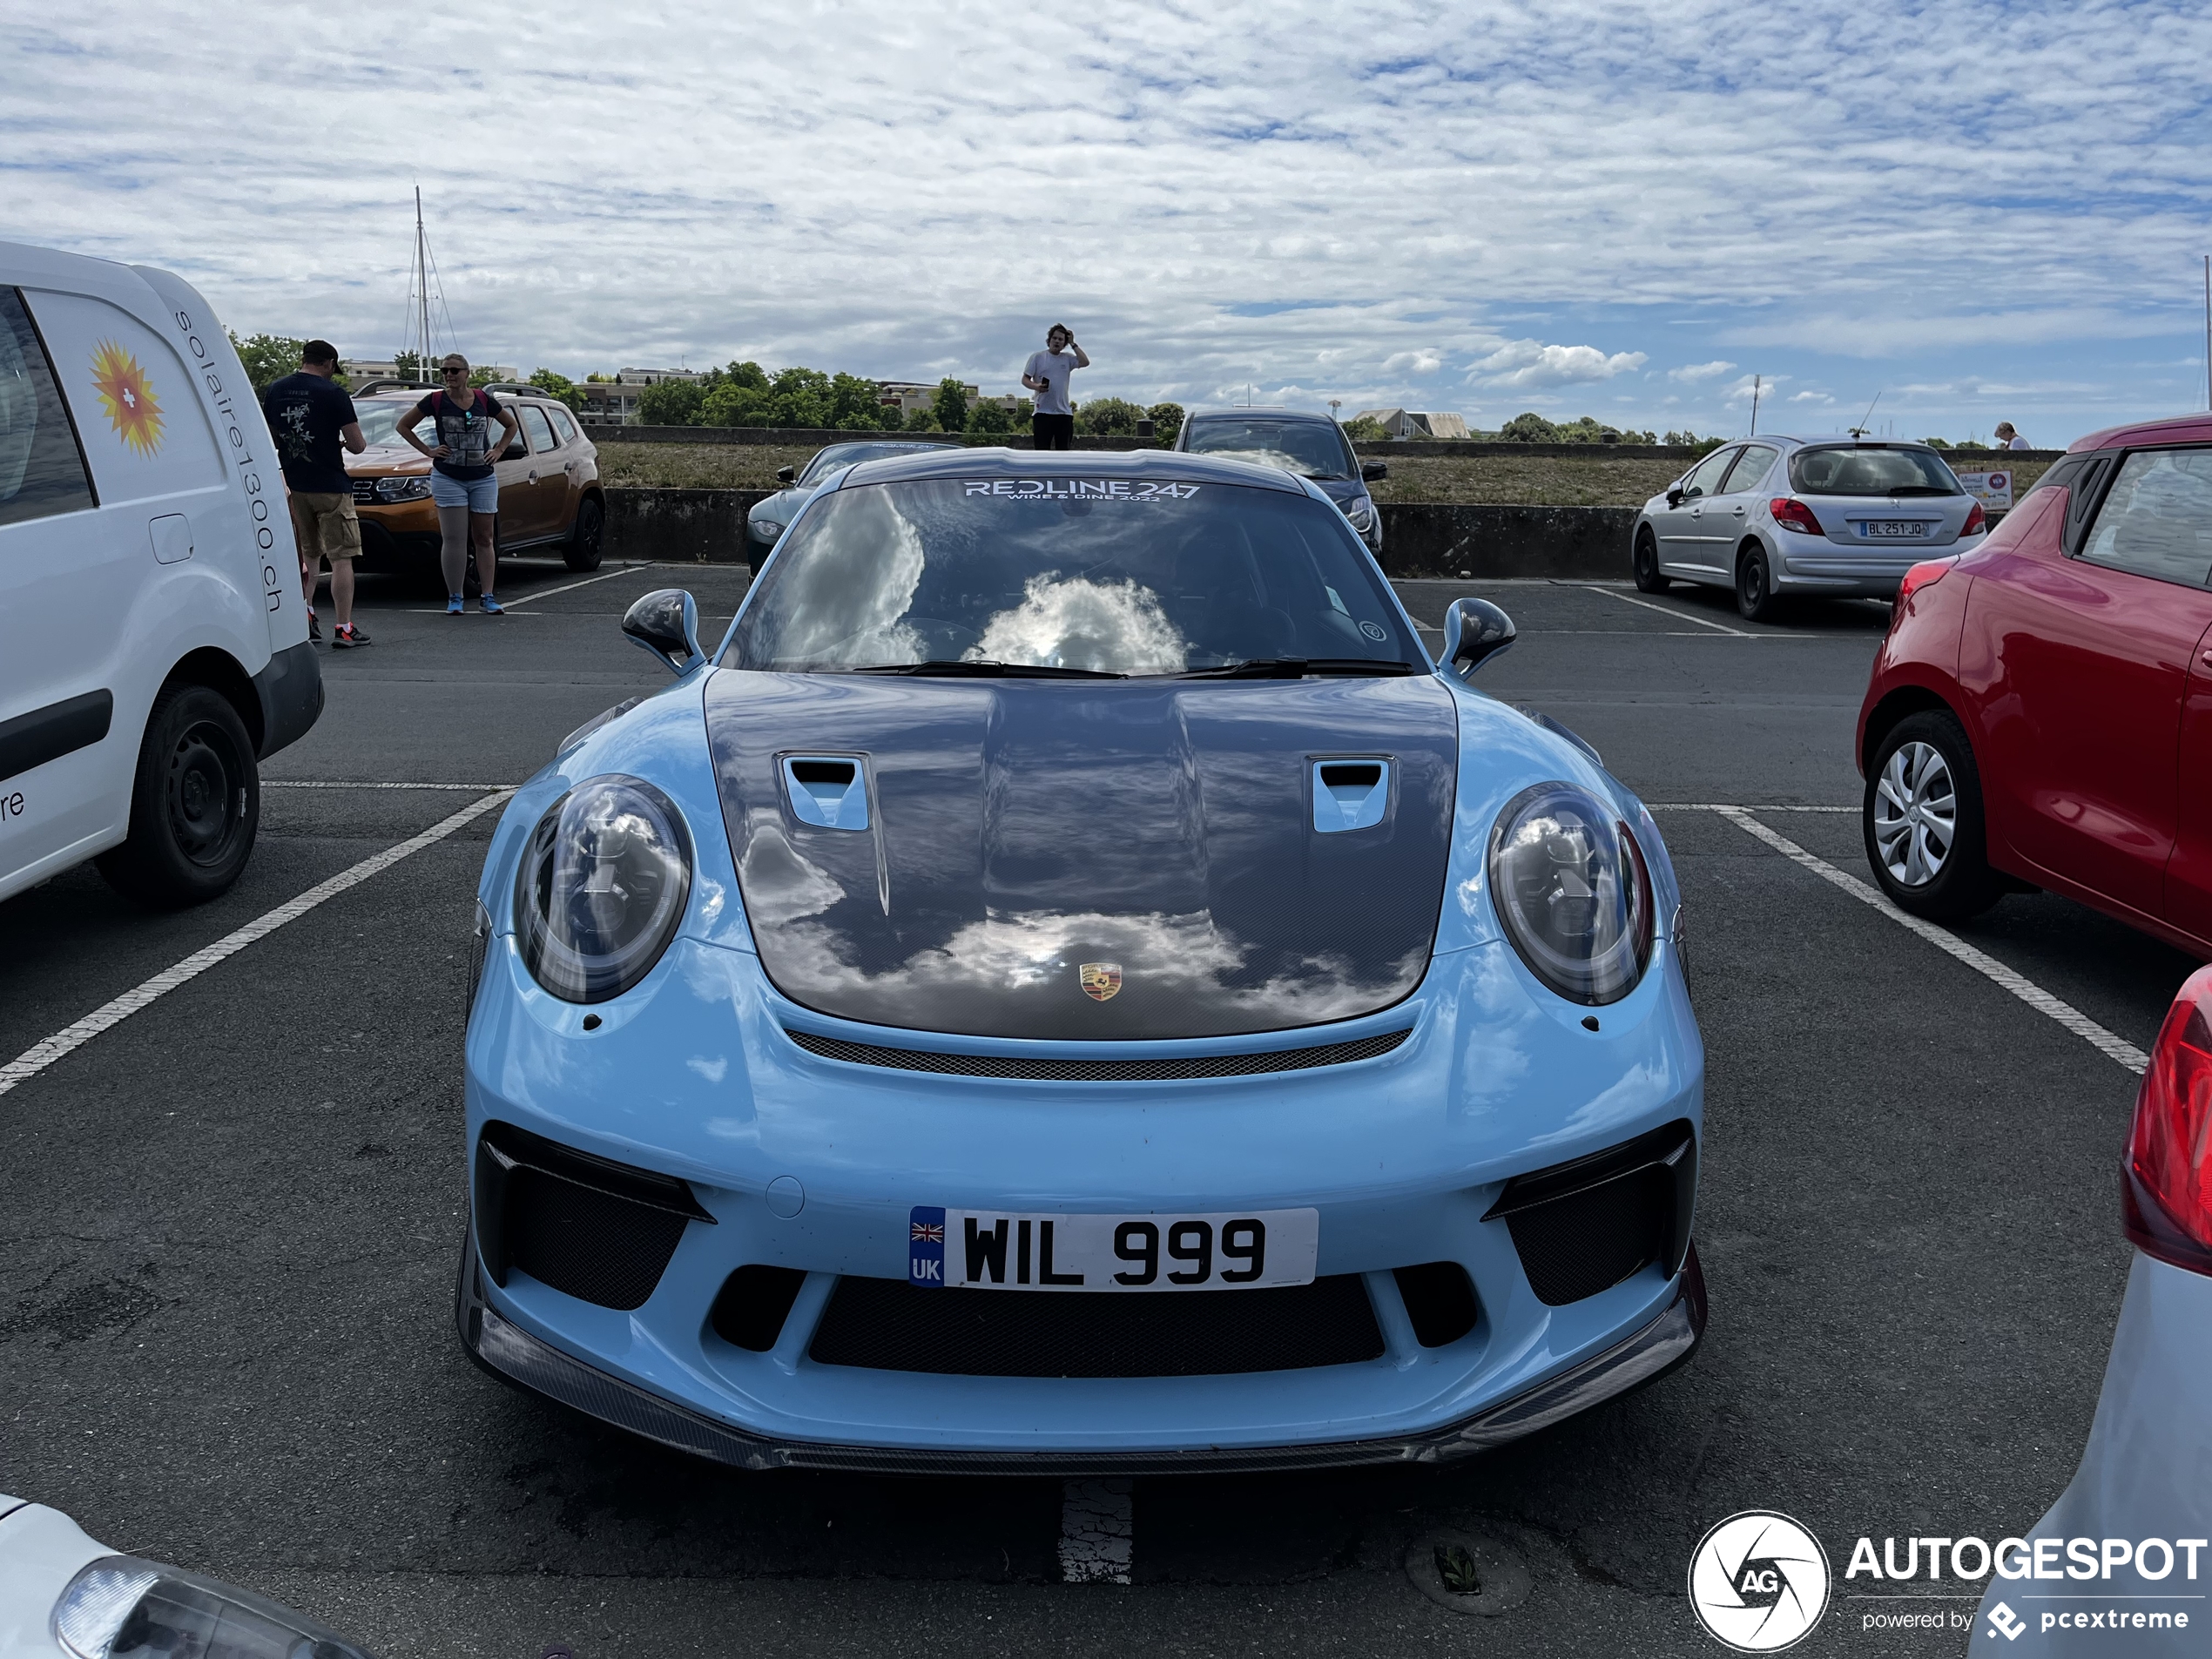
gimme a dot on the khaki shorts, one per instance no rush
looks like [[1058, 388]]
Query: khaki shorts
[[326, 525]]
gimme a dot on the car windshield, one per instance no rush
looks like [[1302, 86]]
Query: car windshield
[[1858, 469], [380, 423], [828, 461], [1310, 449], [1072, 574]]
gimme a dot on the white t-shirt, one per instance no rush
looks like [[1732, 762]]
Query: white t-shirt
[[1053, 369], [2018, 442]]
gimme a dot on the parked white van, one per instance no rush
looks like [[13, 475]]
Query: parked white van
[[153, 642]]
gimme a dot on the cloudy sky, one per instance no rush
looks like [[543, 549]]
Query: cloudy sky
[[1977, 211]]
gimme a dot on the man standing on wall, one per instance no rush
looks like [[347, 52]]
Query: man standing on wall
[[473, 432], [309, 415], [1054, 423]]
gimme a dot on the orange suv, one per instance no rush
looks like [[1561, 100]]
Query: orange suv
[[549, 496]]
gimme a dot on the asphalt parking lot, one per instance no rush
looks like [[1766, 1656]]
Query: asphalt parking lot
[[231, 1222]]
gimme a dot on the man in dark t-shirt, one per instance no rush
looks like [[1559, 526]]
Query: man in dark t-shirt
[[309, 415]]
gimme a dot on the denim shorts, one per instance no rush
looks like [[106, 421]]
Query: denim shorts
[[477, 495]]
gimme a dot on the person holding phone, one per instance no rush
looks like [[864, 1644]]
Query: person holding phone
[[474, 431], [1053, 425]]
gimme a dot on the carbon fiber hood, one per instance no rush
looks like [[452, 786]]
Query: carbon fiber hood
[[1019, 830]]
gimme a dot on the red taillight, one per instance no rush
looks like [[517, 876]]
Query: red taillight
[[1794, 515], [1924, 575], [1977, 521], [2166, 1188]]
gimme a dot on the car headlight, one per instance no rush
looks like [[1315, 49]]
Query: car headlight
[[402, 488], [602, 888], [1362, 513], [120, 1605], [1571, 887], [767, 530]]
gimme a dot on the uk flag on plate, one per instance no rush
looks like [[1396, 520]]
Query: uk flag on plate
[[926, 1246]]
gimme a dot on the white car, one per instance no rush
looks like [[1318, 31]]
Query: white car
[[1776, 517], [63, 1596], [2122, 1562], [153, 641]]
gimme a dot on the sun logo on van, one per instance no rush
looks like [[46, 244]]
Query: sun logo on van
[[131, 408]]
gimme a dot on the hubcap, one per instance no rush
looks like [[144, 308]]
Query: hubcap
[[205, 805], [1916, 814]]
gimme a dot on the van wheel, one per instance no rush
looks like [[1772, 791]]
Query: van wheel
[[195, 803], [588, 536], [1755, 597], [1922, 820], [1649, 578]]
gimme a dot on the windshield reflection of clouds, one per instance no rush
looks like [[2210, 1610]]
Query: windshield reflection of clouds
[[842, 605], [1076, 623]]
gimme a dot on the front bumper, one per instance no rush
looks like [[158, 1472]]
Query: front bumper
[[695, 1075], [515, 1355]]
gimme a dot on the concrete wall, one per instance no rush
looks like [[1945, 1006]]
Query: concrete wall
[[1419, 538]]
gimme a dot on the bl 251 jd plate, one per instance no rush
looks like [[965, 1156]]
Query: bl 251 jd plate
[[989, 1249]]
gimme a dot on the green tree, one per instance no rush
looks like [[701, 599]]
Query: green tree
[[921, 420], [728, 402], [267, 358], [1111, 417], [1529, 427], [990, 417], [480, 377], [749, 374], [891, 417], [559, 386], [1365, 428], [1167, 421], [670, 403], [950, 405], [1936, 443], [855, 405]]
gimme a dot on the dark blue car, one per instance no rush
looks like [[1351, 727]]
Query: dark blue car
[[1312, 446]]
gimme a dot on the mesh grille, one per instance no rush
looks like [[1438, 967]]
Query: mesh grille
[[1043, 1069], [887, 1324], [1588, 1241], [585, 1243]]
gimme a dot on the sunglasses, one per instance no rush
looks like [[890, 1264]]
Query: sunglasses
[[453, 371]]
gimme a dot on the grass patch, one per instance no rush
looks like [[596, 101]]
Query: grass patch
[[1546, 480]]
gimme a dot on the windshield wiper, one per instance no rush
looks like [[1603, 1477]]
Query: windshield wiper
[[953, 669], [1290, 668]]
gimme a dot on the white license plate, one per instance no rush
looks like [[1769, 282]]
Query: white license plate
[[1000, 1250], [1893, 527]]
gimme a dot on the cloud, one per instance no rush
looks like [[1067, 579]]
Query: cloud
[[1696, 372], [1526, 365], [1412, 362]]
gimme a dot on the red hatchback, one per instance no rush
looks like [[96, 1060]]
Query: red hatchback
[[2041, 711]]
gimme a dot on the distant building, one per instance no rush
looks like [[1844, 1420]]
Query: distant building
[[608, 403], [1415, 423], [658, 376], [906, 396]]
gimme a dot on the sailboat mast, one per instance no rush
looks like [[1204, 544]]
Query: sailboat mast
[[422, 284]]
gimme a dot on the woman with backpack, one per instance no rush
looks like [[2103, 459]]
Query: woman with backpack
[[474, 431]]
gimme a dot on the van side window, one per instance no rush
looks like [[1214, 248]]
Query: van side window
[[42, 470]]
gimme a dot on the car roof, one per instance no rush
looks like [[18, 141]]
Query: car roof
[[1239, 414], [2171, 426], [996, 463]]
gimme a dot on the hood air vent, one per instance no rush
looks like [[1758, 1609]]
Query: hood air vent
[[826, 790], [1349, 794]]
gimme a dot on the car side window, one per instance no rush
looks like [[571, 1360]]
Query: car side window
[[42, 470], [2156, 518], [1750, 466], [1705, 478], [541, 431], [563, 426]]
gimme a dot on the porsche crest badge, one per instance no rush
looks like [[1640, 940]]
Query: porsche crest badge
[[1100, 981]]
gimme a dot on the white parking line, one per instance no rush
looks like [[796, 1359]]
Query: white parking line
[[2112, 1045], [39, 1055], [532, 598], [1731, 807], [1097, 1532], [1683, 616], [347, 783]]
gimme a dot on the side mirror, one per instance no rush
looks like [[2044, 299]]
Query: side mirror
[[1371, 470], [666, 623], [515, 451], [786, 475], [1474, 631], [1674, 495]]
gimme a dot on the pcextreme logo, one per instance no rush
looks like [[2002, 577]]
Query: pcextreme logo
[[1758, 1581]]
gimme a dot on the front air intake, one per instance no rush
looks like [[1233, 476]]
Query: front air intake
[[589, 1227], [1583, 1226]]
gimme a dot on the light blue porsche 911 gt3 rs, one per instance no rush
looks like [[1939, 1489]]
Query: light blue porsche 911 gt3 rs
[[1068, 986]]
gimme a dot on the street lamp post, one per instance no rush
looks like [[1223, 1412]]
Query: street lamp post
[[1335, 403]]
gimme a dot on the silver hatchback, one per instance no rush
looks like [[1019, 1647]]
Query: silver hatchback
[[1776, 517]]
